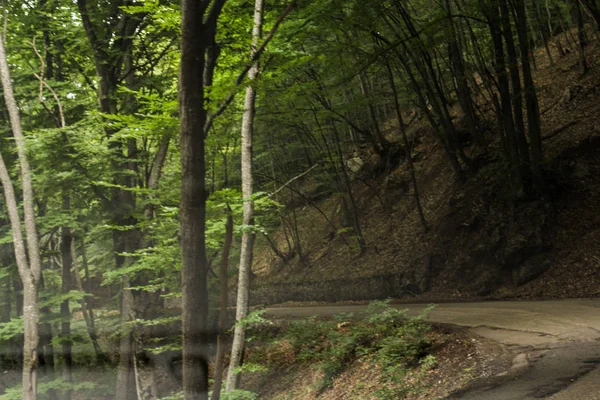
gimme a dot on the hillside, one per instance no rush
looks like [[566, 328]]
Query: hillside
[[480, 245]]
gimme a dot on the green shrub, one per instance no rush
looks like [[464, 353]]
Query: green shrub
[[394, 340]]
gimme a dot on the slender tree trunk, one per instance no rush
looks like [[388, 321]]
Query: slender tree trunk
[[512, 152], [515, 81], [443, 139], [593, 8], [28, 261], [6, 301], [125, 385], [46, 359], [243, 293], [583, 66], [462, 88], [223, 300], [19, 339], [407, 150], [5, 316], [349, 199], [531, 99], [546, 36], [88, 283], [86, 307], [65, 312]]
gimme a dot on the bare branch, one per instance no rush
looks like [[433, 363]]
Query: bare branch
[[293, 179], [43, 83]]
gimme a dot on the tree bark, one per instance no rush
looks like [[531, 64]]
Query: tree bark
[[28, 262], [198, 29], [515, 81], [223, 300], [65, 312], [511, 147], [243, 293], [531, 99]]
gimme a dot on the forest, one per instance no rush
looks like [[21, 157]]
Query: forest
[[170, 168]]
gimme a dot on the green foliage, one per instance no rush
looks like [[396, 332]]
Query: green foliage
[[389, 337], [239, 395], [254, 319], [250, 367], [11, 329], [59, 385]]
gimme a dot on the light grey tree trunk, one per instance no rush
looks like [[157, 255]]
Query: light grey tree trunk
[[239, 335], [29, 267]]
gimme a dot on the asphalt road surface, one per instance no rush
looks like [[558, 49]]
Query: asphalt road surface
[[559, 343]]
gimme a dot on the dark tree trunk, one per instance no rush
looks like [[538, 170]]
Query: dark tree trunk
[[512, 152], [223, 300], [581, 37], [593, 8], [197, 34], [515, 80], [350, 195], [546, 35], [531, 99], [65, 312], [407, 149]]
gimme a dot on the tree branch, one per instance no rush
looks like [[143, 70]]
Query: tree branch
[[247, 68], [213, 15], [293, 179]]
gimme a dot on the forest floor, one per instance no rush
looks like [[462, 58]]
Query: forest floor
[[480, 245]]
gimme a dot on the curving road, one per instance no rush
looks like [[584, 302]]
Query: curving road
[[559, 341]]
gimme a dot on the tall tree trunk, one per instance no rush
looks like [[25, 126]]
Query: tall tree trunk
[[5, 316], [462, 86], [86, 307], [223, 300], [407, 149], [546, 36], [125, 385], [243, 292], [515, 81], [349, 201], [46, 359], [6, 301], [28, 261], [19, 339], [65, 312], [581, 39], [512, 152], [198, 28], [531, 99]]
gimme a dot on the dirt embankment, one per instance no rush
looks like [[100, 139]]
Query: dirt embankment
[[480, 244]]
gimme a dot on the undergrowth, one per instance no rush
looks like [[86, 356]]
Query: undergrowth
[[390, 339]]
